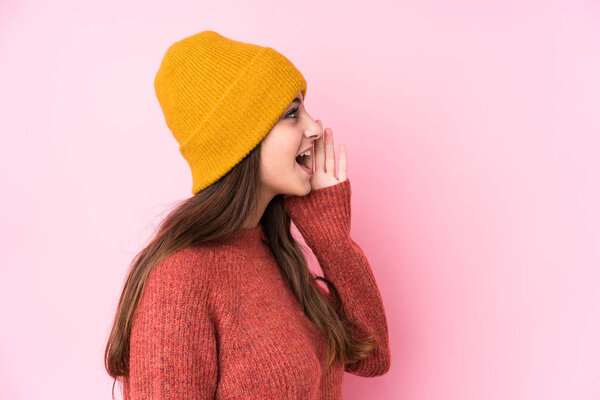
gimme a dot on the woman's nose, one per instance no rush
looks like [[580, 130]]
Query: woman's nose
[[318, 132]]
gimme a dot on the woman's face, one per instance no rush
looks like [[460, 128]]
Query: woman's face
[[280, 173]]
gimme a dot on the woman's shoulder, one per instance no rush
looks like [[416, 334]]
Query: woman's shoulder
[[187, 264], [205, 265]]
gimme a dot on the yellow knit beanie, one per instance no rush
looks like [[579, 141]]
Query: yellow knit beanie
[[220, 98]]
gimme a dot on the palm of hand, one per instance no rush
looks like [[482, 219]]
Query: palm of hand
[[324, 150]]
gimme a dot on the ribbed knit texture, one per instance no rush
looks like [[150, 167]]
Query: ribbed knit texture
[[220, 97], [219, 322]]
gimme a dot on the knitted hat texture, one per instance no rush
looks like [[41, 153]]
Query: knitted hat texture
[[220, 97]]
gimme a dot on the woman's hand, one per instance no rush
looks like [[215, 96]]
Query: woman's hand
[[324, 174]]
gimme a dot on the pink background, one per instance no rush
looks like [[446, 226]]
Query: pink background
[[473, 143]]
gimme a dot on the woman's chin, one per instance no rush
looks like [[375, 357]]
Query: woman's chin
[[307, 185], [304, 188]]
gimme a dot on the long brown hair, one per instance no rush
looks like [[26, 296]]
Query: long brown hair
[[213, 214]]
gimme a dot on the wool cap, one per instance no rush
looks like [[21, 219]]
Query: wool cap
[[220, 97]]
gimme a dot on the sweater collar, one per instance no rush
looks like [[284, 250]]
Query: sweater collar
[[248, 237]]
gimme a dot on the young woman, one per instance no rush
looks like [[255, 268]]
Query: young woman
[[221, 303]]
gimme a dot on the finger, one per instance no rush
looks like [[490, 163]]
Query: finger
[[343, 164], [319, 152], [329, 152]]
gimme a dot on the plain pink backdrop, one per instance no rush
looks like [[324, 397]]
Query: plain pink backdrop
[[473, 143]]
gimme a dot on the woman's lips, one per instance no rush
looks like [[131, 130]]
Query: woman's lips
[[305, 168], [304, 164]]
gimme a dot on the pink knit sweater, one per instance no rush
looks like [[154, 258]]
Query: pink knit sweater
[[218, 321]]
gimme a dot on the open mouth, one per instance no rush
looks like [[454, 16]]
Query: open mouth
[[305, 161]]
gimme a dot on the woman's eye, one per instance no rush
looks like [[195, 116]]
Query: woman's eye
[[292, 112]]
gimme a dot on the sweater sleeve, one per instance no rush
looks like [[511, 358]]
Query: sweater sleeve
[[323, 219], [173, 347]]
